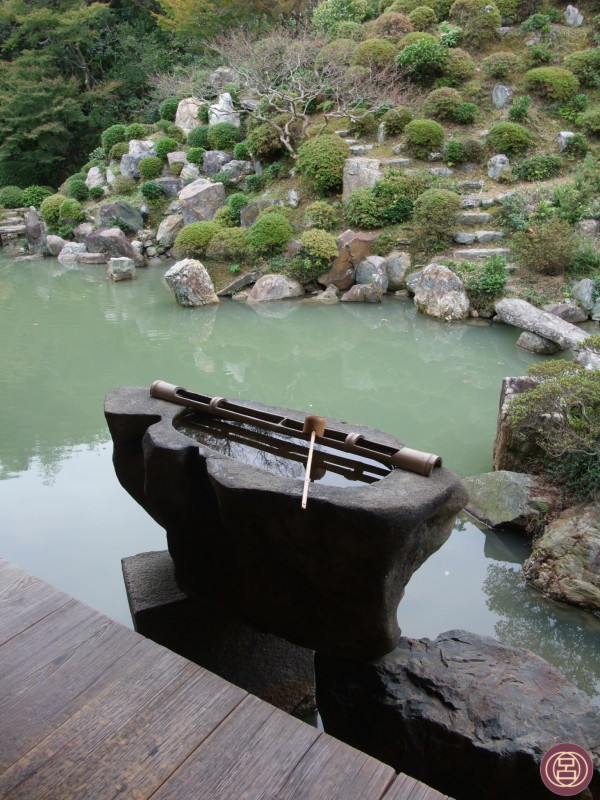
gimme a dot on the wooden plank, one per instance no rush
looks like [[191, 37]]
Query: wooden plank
[[248, 757], [331, 770], [406, 788]]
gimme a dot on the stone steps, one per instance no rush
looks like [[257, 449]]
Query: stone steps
[[474, 218], [483, 237], [477, 253], [11, 230], [482, 200]]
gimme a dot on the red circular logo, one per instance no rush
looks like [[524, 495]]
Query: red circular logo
[[566, 769]]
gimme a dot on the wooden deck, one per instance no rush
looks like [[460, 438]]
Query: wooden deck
[[90, 710]]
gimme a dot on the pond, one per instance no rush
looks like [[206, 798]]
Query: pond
[[69, 335]]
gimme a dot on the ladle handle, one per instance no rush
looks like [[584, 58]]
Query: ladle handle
[[308, 468]]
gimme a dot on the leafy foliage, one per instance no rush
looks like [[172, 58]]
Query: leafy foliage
[[150, 167], [510, 138], [423, 136], [229, 244], [34, 195], [11, 196], [519, 109], [77, 189], [554, 83], [547, 248], [49, 209], [168, 108], [165, 146], [270, 234], [396, 119], [501, 64], [223, 136], [70, 209], [319, 245], [374, 54], [322, 160], [192, 240], [198, 137], [538, 168], [151, 190], [478, 19], [321, 215], [423, 60], [435, 213]]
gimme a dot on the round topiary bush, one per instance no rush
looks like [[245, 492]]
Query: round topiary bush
[[123, 184], [364, 209], [403, 6], [423, 60], [228, 244], [118, 150], [321, 215], [423, 18], [466, 114], [322, 159], [473, 150], [502, 64], [168, 109], [547, 247], [192, 240], [241, 151], [319, 245], [34, 195], [236, 202], [479, 20], [77, 189], [553, 83], [590, 120], [264, 142], [338, 52], [70, 209], [177, 133], [49, 209], [396, 119], [423, 136], [165, 146], [328, 14], [434, 220], [11, 196], [442, 103], [270, 234], [152, 190], [390, 26], [374, 54], [415, 36], [150, 167], [198, 137], [226, 218], [223, 136], [509, 138], [112, 135], [585, 64], [134, 131], [538, 168], [96, 192], [348, 30], [196, 155], [459, 66]]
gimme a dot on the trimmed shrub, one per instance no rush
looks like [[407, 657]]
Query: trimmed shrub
[[34, 195], [49, 209], [255, 183], [222, 177], [71, 209], [152, 190], [401, 184], [423, 136], [434, 220], [483, 282], [479, 20], [509, 138], [585, 64], [537, 55], [590, 120], [96, 192], [319, 245], [192, 240], [502, 64], [77, 189], [374, 54], [226, 218], [150, 167], [442, 103], [118, 150], [236, 202], [403, 6], [396, 119], [228, 244], [538, 168], [553, 83], [577, 147], [338, 52], [519, 109], [331, 12], [168, 108], [422, 18], [198, 137], [134, 131], [270, 234], [321, 215], [453, 152], [390, 26], [466, 114], [123, 184], [241, 151], [414, 37], [177, 133], [423, 60], [349, 30], [264, 142], [223, 136], [364, 209], [322, 160], [203, 113], [548, 247], [176, 167], [10, 196], [573, 107], [362, 126], [195, 155], [165, 146], [459, 66], [473, 150], [112, 135]]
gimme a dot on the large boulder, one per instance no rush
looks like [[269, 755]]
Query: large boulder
[[570, 312], [113, 242], [496, 165], [95, 178], [168, 230], [121, 269], [466, 714], [237, 169], [170, 184], [223, 111], [352, 249], [359, 173], [191, 284], [537, 344], [501, 95], [138, 150], [54, 244], [565, 562], [573, 17], [68, 254], [189, 174], [397, 263], [120, 213], [371, 272], [361, 293], [510, 451], [441, 294], [201, 200], [584, 292], [186, 117], [214, 160], [35, 231], [221, 77], [274, 287], [81, 231], [525, 315]]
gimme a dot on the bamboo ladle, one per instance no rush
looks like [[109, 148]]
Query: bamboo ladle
[[316, 427]]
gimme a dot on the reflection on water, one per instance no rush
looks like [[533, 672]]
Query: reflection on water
[[68, 335]]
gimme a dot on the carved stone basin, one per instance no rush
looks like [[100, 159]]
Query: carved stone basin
[[328, 578]]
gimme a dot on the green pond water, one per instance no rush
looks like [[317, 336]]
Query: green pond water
[[68, 335]]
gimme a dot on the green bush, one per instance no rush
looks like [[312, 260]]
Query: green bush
[[203, 113], [49, 209], [364, 209], [466, 114], [270, 234], [70, 209], [577, 147], [501, 64], [123, 184], [322, 160], [112, 135], [536, 22], [519, 109], [434, 219], [390, 26], [401, 184], [338, 52], [134, 131], [585, 64], [34, 196], [222, 177], [423, 60], [552, 83], [11, 196], [403, 6], [225, 218], [396, 119], [150, 167], [364, 125], [165, 146], [241, 151], [585, 262], [177, 133], [331, 12], [264, 142], [479, 20], [483, 282], [422, 18], [223, 136], [118, 150], [319, 245], [96, 192], [168, 109], [152, 190], [176, 167], [321, 215], [236, 202], [195, 155], [77, 189], [192, 240], [450, 35], [590, 120], [255, 183], [548, 248], [228, 244], [538, 168], [459, 66], [374, 54], [442, 103], [423, 136], [473, 150], [453, 152], [348, 30], [198, 137], [509, 138], [573, 107], [413, 38], [538, 54]]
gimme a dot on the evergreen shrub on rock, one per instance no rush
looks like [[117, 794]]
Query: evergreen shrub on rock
[[226, 218], [134, 131], [553, 83], [77, 189], [165, 146], [459, 66], [152, 191], [118, 150], [423, 136], [319, 245], [422, 18], [150, 167], [193, 239], [396, 119], [442, 103], [374, 54], [538, 168], [49, 209], [484, 281], [338, 52], [322, 160], [501, 64], [236, 202], [123, 184], [70, 209], [195, 155], [321, 215], [34, 195], [10, 196], [96, 192], [112, 135], [198, 137], [270, 234], [228, 244], [241, 151], [364, 209], [434, 220], [390, 26], [509, 138], [168, 108], [479, 20], [223, 136]]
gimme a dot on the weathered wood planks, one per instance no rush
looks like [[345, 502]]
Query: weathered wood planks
[[91, 710]]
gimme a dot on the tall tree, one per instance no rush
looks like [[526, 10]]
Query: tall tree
[[201, 20]]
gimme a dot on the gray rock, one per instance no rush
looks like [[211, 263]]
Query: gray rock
[[583, 291], [239, 283], [412, 281], [191, 284], [327, 297], [488, 236], [496, 165], [360, 149], [588, 359], [189, 174], [221, 77], [472, 186], [537, 344], [563, 138], [524, 315], [464, 238], [293, 198], [510, 499], [588, 227], [94, 178], [91, 258], [223, 111], [137, 246], [501, 96], [472, 200], [441, 172], [352, 248], [129, 164], [397, 264], [214, 160], [170, 184], [236, 170], [484, 712], [68, 253], [120, 213], [567, 311], [186, 117], [54, 244], [168, 230], [111, 176], [474, 218], [200, 200], [142, 147], [82, 230], [113, 242], [565, 562], [35, 231], [481, 252], [441, 294], [343, 132], [573, 17], [121, 269], [396, 163], [176, 157], [371, 272], [437, 156], [360, 173], [511, 451], [249, 214], [361, 293], [381, 133], [274, 287]]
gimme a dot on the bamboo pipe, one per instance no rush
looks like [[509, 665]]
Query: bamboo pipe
[[316, 427]]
